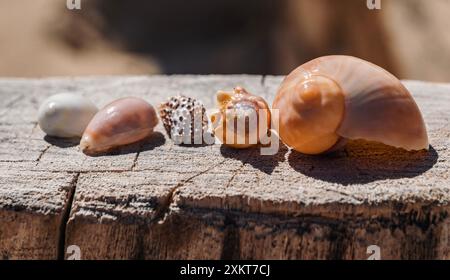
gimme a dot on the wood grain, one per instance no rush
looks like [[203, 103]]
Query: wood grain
[[157, 200]]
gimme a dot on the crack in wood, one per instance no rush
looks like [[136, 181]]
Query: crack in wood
[[42, 153], [65, 218], [135, 161], [14, 101], [89, 171], [235, 173], [7, 107], [16, 161], [263, 80], [258, 179], [7, 123], [231, 240], [238, 170], [343, 194], [33, 129], [163, 210]]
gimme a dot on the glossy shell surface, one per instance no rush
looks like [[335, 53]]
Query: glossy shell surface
[[341, 97], [119, 123], [65, 115]]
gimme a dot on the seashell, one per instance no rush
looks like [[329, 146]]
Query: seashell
[[330, 99], [184, 119], [124, 121], [65, 115], [242, 120]]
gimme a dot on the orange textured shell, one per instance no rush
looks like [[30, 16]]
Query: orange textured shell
[[235, 107], [333, 98]]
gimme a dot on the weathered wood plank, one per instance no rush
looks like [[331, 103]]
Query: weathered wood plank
[[32, 210], [156, 200]]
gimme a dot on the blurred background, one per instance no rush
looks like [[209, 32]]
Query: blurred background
[[410, 38]]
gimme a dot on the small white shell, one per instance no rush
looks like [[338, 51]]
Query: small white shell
[[66, 115]]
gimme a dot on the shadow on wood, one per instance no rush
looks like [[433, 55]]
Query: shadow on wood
[[155, 140], [62, 142], [363, 162], [252, 156], [203, 144]]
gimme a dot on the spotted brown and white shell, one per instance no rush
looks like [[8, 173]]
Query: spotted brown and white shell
[[184, 119]]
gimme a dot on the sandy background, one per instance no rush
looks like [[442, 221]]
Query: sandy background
[[39, 38]]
